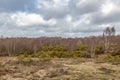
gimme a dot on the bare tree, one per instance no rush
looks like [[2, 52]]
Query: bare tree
[[108, 32], [113, 31]]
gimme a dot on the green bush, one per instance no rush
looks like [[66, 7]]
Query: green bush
[[59, 48], [25, 52], [81, 48], [60, 54], [86, 54], [54, 48], [108, 57], [44, 56], [82, 51], [23, 59], [2, 49], [99, 50], [54, 54], [77, 54], [66, 55], [114, 53], [111, 58], [47, 48], [47, 58]]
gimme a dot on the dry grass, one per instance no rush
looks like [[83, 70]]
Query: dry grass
[[58, 69]]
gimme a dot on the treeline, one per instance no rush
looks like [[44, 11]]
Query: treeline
[[89, 46], [62, 47]]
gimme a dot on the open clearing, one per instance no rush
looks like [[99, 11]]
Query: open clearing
[[58, 69]]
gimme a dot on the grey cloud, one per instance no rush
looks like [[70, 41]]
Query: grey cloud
[[98, 18], [72, 8], [51, 10], [86, 7]]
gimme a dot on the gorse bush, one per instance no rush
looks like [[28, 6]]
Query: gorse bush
[[81, 48], [48, 52], [44, 56], [25, 60], [99, 50], [114, 53], [54, 48], [2, 49], [54, 54], [82, 51], [111, 58], [77, 54], [25, 52], [60, 54]]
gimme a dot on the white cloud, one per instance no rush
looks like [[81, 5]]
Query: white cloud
[[110, 7], [25, 19], [68, 18], [107, 8]]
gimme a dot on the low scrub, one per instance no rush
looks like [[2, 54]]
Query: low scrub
[[25, 60], [111, 58]]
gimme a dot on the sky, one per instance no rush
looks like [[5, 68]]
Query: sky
[[58, 18]]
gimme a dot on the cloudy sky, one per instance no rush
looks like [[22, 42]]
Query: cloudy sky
[[61, 18]]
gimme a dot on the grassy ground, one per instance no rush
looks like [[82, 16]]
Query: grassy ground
[[58, 69]]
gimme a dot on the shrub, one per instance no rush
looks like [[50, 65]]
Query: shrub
[[77, 54], [111, 58], [66, 55], [60, 48], [81, 48], [25, 52], [82, 51], [108, 57], [47, 48], [86, 54], [114, 53], [23, 59], [99, 50], [60, 54], [54, 48], [44, 56], [117, 58], [2, 49]]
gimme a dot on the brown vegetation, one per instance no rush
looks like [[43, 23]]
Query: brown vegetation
[[58, 69]]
